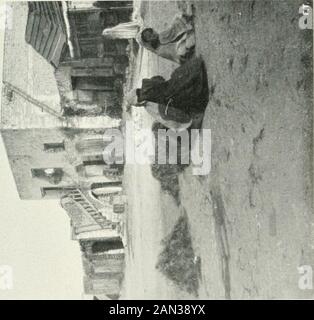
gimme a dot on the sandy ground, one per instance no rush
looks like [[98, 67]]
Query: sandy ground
[[251, 218]]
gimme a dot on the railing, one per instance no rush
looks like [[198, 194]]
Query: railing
[[39, 104], [77, 196]]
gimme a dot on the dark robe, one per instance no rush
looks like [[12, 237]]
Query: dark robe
[[184, 95]]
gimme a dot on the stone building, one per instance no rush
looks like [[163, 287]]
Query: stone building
[[53, 155], [103, 265], [48, 152], [89, 69], [48, 158]]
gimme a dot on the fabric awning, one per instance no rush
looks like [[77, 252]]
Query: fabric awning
[[46, 30]]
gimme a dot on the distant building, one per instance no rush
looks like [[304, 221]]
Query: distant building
[[57, 153], [103, 265]]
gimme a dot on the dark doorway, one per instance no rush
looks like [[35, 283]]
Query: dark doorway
[[110, 244], [92, 83]]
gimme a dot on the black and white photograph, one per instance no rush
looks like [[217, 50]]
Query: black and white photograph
[[156, 150]]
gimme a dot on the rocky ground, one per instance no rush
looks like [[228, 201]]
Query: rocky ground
[[252, 217]]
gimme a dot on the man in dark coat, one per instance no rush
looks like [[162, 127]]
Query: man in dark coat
[[184, 95]]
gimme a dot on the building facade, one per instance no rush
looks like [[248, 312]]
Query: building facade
[[89, 69], [103, 265], [53, 124], [48, 151]]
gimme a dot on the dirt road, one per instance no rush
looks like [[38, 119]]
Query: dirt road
[[252, 217]]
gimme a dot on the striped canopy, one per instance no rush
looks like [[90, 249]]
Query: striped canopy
[[46, 30]]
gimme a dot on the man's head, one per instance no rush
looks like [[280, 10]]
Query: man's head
[[149, 35]]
